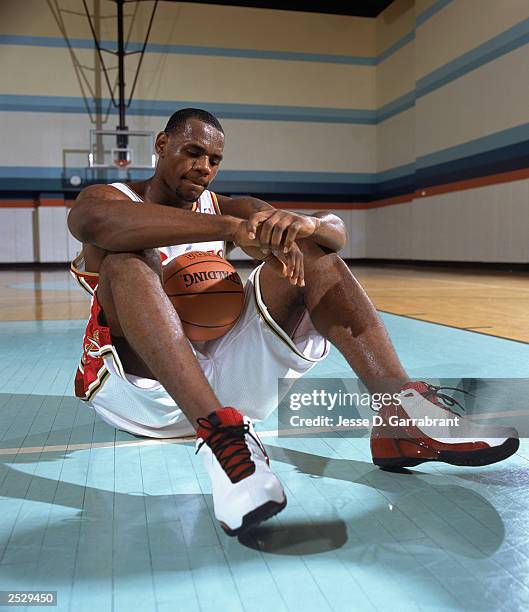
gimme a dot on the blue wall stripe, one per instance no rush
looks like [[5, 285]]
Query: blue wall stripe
[[283, 183], [492, 49], [44, 41], [506, 42], [502, 140], [395, 107], [394, 173], [461, 169], [431, 11], [358, 191], [252, 176], [505, 159], [395, 47], [501, 44], [87, 43], [38, 172], [81, 43], [266, 176], [394, 181], [164, 108], [498, 140], [59, 182], [407, 38], [292, 56], [382, 185]]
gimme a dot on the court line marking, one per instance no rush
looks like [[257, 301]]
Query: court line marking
[[273, 433], [489, 286], [470, 331], [442, 281]]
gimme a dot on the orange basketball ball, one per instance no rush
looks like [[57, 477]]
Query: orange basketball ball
[[207, 294]]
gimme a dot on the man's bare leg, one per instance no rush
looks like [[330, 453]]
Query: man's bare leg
[[150, 340], [144, 323], [341, 311]]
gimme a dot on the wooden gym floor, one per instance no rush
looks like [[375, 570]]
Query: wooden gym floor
[[488, 302]]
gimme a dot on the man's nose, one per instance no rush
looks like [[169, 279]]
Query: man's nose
[[202, 165]]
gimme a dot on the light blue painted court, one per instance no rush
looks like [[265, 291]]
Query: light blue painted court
[[114, 522]]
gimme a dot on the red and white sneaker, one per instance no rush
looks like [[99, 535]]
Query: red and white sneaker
[[407, 437], [245, 490]]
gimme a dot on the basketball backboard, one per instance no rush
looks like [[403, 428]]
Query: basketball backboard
[[121, 149]]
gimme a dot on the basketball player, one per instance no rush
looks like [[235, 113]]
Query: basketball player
[[140, 373]]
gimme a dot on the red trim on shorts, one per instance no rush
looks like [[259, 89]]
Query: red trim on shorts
[[91, 372]]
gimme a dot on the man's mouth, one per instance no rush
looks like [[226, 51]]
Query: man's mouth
[[196, 183]]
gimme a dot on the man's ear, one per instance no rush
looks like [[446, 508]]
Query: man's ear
[[160, 145]]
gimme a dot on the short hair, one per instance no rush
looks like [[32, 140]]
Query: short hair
[[178, 120]]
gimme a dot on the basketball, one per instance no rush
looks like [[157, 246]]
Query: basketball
[[207, 294]]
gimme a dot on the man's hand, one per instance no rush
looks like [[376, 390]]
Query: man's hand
[[289, 264], [324, 228], [279, 229]]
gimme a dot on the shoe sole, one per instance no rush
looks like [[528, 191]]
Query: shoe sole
[[483, 456], [255, 517]]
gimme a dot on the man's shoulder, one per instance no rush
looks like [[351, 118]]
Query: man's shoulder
[[111, 191], [101, 192]]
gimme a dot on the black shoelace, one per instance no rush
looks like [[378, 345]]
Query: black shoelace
[[433, 392], [237, 463]]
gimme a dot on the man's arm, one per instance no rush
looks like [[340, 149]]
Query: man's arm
[[106, 218], [331, 233], [280, 228]]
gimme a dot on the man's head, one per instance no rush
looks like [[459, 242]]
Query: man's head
[[189, 150]]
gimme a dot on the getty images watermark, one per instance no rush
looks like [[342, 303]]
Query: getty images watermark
[[312, 406], [341, 403]]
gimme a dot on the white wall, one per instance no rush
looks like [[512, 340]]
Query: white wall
[[487, 224], [17, 238], [56, 244]]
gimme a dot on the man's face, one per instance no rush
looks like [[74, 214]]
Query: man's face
[[190, 158]]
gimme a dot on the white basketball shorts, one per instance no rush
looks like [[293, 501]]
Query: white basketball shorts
[[242, 367]]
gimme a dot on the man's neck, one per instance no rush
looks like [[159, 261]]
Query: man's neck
[[156, 192]]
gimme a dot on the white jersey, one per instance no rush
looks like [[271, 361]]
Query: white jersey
[[206, 204]]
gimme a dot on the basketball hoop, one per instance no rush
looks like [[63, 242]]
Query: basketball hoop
[[121, 157]]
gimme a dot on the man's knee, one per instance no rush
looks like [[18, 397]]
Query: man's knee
[[116, 265], [315, 255], [120, 269]]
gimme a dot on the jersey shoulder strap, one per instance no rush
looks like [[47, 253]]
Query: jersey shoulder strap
[[127, 191], [207, 203]]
